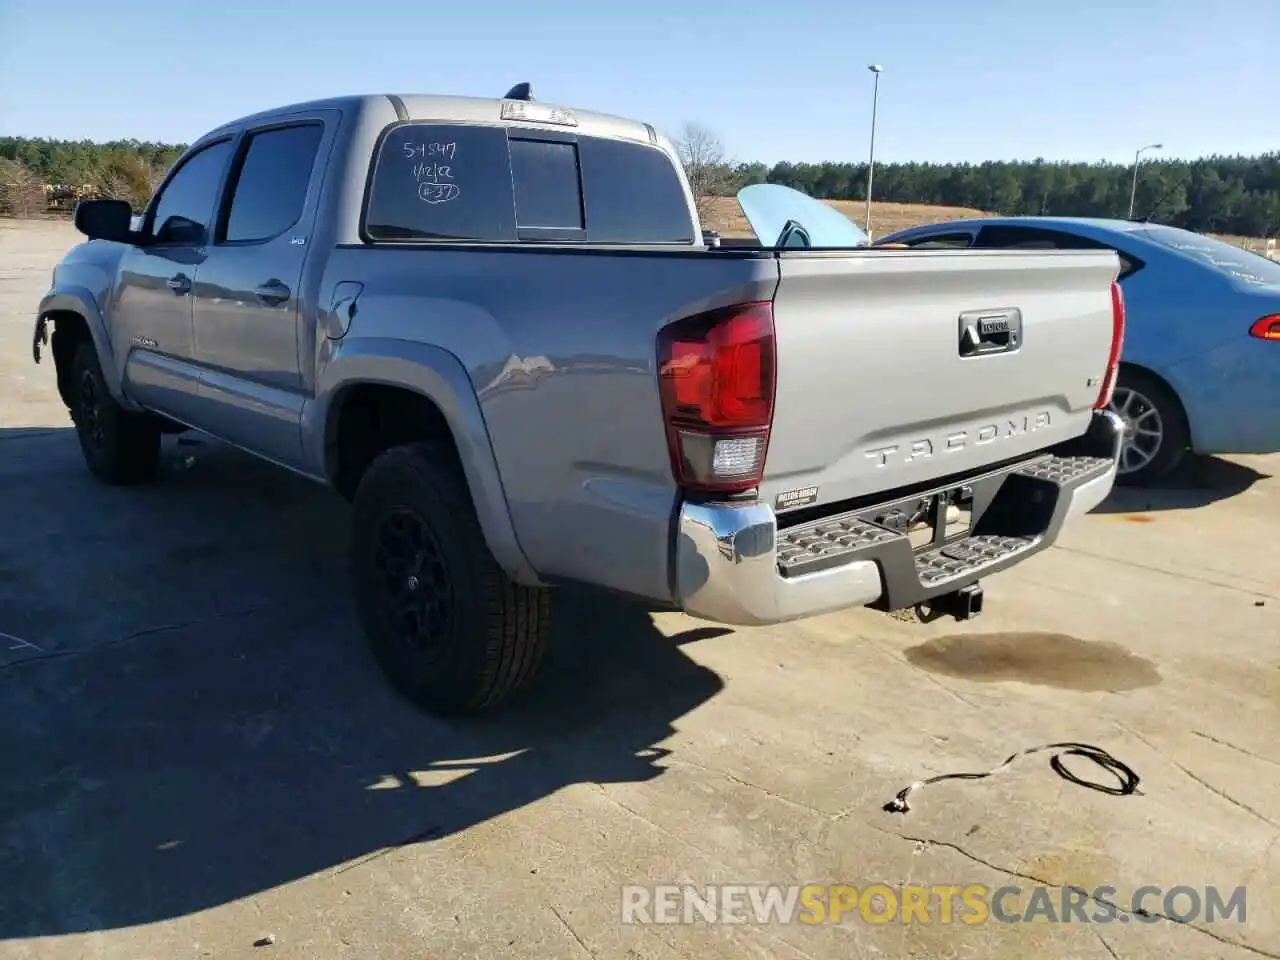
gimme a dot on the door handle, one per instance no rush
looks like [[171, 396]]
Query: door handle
[[179, 283], [273, 293]]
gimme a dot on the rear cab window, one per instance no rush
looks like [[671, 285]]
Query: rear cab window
[[495, 184]]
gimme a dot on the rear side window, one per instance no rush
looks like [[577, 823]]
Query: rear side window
[[1037, 238], [464, 182], [270, 187], [946, 241], [1031, 238]]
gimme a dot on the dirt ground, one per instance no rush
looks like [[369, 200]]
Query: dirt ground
[[198, 754]]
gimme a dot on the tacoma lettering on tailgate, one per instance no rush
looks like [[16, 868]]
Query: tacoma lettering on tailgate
[[925, 447]]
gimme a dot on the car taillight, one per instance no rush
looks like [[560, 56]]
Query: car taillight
[[716, 380], [1117, 345], [1266, 328]]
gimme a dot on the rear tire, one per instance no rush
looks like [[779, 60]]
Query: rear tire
[[120, 447], [1156, 433], [447, 626]]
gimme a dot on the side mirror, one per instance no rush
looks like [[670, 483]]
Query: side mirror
[[105, 220], [793, 235]]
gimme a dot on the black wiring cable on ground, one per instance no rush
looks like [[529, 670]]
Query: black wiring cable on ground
[[1126, 779]]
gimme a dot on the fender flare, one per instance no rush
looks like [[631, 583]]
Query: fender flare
[[78, 300], [439, 376]]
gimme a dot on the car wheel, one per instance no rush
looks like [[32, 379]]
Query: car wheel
[[447, 626], [1155, 428], [119, 447]]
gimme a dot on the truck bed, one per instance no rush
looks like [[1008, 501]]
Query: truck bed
[[559, 343]]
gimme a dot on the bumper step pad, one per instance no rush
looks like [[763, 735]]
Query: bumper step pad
[[826, 544], [1064, 470], [967, 556], [843, 538]]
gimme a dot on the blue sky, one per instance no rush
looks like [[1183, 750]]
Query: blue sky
[[963, 79]]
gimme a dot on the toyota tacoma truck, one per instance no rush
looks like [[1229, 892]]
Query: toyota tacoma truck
[[496, 328]]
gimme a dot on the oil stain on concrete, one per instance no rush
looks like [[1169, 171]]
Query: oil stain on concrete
[[1043, 659]]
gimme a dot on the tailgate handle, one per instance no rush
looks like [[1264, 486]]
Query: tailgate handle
[[984, 332]]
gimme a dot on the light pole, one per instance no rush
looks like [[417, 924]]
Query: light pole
[[871, 160], [1133, 190]]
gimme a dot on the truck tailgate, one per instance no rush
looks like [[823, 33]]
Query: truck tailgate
[[897, 368]]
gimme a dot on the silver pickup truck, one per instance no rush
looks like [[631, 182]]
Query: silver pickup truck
[[494, 325]]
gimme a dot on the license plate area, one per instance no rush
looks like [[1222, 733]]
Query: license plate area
[[930, 520]]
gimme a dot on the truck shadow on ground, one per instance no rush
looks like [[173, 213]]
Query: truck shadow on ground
[[194, 718], [1198, 482]]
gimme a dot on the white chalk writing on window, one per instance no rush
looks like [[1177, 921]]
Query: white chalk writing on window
[[437, 192], [432, 151], [433, 170]]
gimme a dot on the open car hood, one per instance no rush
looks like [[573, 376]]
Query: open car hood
[[775, 211]]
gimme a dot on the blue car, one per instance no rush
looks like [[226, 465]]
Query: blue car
[[1201, 363]]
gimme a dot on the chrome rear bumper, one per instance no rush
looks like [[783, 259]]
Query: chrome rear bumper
[[731, 562]]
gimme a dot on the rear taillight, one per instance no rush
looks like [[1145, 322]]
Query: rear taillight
[[1117, 345], [716, 380], [1267, 328]]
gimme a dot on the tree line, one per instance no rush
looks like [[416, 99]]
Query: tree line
[[1218, 194], [1232, 195], [40, 174]]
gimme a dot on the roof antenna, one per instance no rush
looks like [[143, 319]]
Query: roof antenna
[[521, 91]]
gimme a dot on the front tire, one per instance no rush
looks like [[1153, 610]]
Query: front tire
[[447, 626], [1156, 435], [120, 447]]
